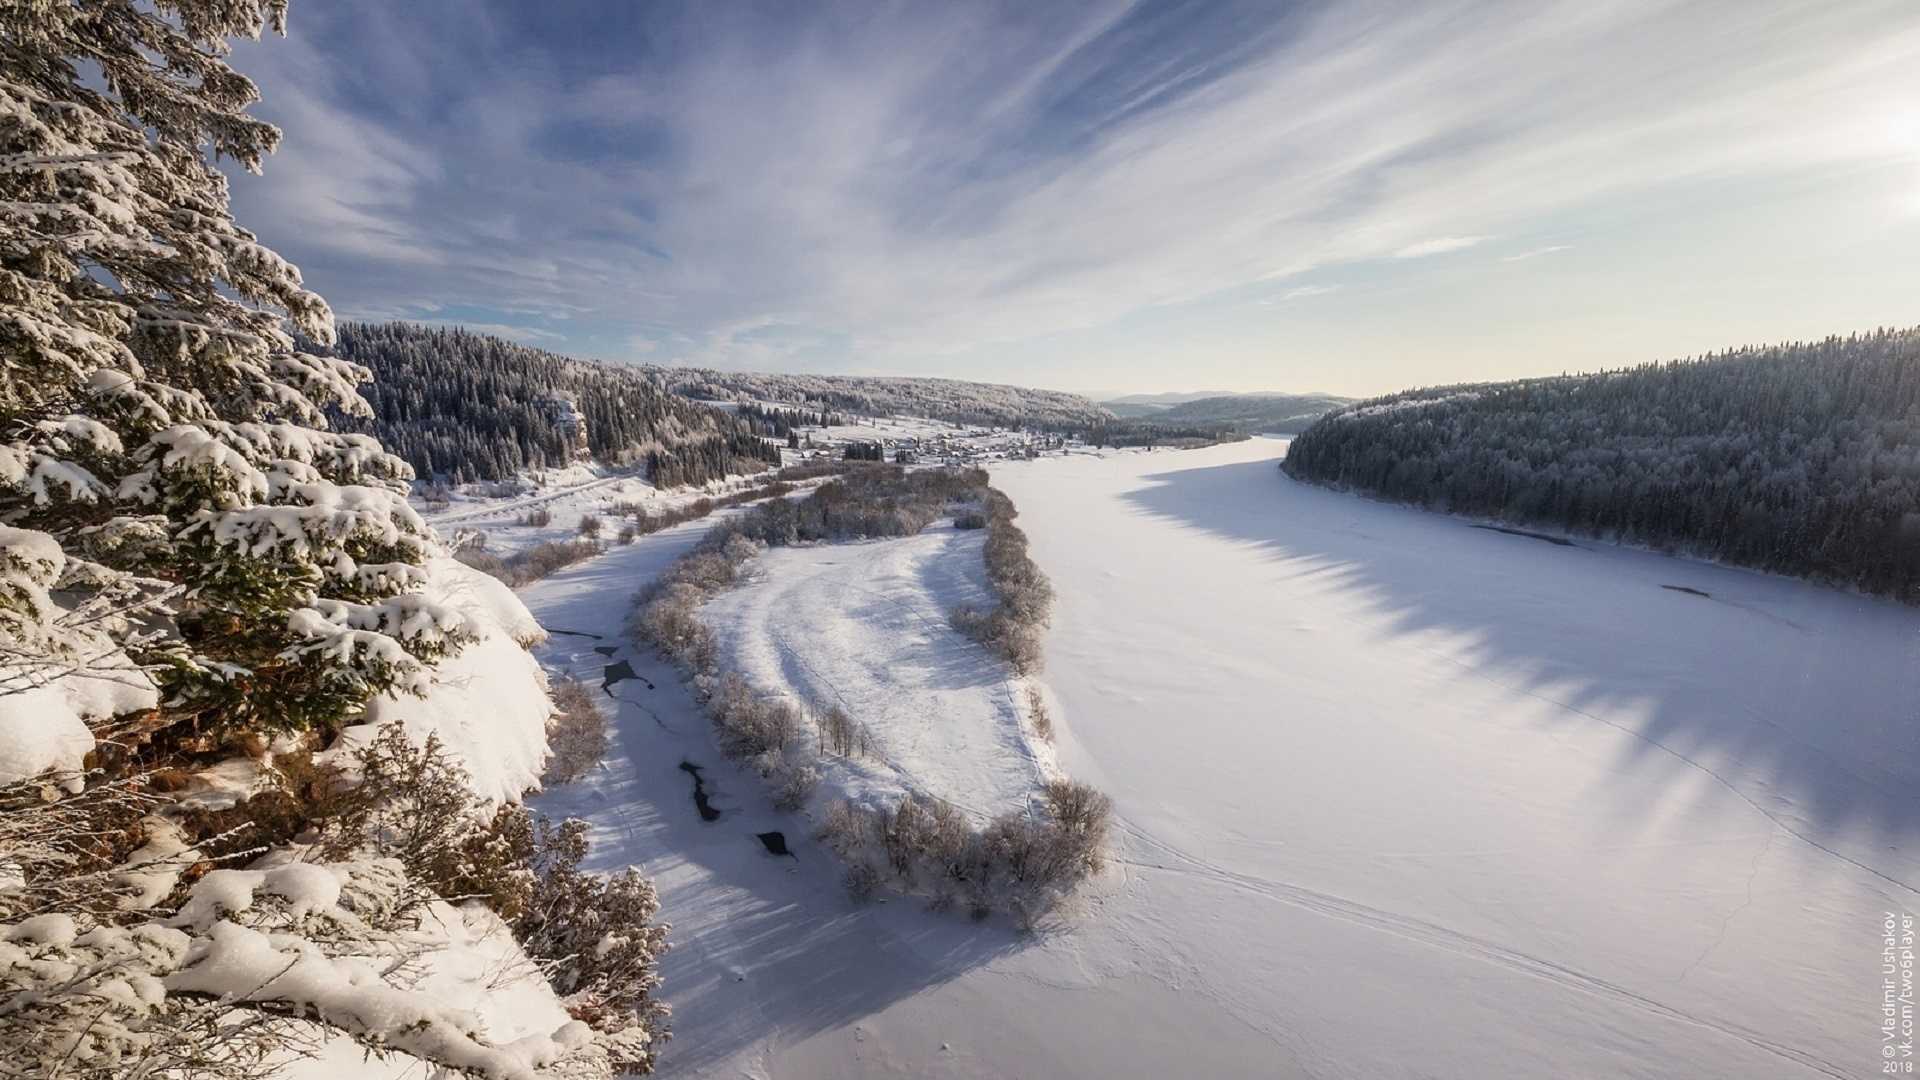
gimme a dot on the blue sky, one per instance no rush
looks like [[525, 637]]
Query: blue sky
[[1105, 197]]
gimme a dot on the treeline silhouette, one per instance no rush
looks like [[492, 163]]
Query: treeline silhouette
[[1801, 459], [468, 407]]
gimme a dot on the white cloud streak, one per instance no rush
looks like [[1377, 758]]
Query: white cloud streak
[[1439, 246], [1536, 252]]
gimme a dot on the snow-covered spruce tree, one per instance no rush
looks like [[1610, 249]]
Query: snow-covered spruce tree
[[158, 422], [169, 496]]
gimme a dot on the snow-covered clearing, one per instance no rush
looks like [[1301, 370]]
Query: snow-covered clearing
[[1399, 797], [864, 626]]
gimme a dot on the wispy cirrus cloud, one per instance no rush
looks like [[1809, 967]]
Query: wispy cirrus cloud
[[1441, 245], [1537, 252], [754, 184]]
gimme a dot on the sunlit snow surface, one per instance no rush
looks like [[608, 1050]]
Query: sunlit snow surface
[[1400, 797], [864, 626]]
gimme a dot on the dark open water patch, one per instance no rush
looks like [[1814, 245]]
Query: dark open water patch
[[618, 672], [1560, 540], [606, 650], [573, 633], [700, 803], [776, 844], [1688, 591]]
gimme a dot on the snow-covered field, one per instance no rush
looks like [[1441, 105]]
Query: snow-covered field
[[564, 496], [1399, 797], [864, 626]]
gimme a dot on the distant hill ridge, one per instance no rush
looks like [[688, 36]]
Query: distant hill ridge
[[1801, 459], [1277, 413], [953, 400]]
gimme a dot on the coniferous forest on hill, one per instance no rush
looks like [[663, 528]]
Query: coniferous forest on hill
[[953, 400], [470, 407], [1801, 459]]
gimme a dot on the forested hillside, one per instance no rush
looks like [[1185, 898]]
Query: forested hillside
[[952, 400], [472, 407], [1801, 459]]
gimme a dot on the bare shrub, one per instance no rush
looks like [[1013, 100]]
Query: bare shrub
[[599, 942], [1016, 642], [790, 779], [544, 558], [747, 725], [415, 804], [837, 732], [595, 937], [861, 880], [707, 571], [970, 519], [539, 517], [1081, 818], [628, 534], [61, 850], [1037, 713], [842, 828], [577, 736], [484, 561], [590, 525]]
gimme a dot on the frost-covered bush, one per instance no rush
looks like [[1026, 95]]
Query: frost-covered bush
[[790, 777], [540, 560], [839, 734], [66, 852], [1037, 714], [1022, 595], [865, 501], [667, 620], [578, 734], [599, 941], [1022, 864], [747, 725], [484, 561], [595, 936]]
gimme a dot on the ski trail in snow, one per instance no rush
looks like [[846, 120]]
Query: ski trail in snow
[[1454, 941], [508, 506]]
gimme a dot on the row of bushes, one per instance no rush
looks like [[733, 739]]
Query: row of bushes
[[867, 501], [1023, 864], [1022, 596], [529, 564]]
